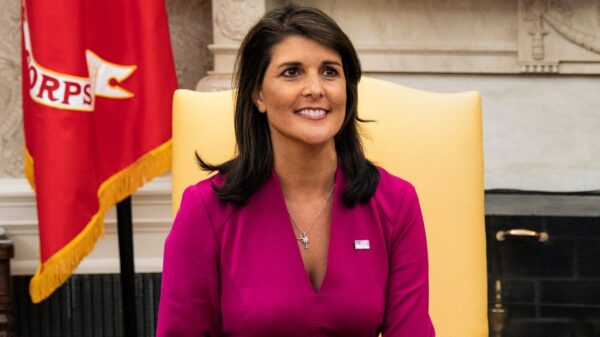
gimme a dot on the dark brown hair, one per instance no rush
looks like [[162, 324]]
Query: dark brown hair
[[246, 173]]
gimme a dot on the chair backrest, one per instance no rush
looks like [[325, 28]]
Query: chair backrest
[[432, 140]]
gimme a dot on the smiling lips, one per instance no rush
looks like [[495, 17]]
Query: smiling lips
[[312, 113]]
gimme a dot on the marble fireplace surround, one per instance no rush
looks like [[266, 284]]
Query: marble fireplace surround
[[536, 64]]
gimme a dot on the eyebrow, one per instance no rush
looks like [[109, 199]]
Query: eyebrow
[[297, 64]]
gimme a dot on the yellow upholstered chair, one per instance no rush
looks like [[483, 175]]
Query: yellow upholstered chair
[[432, 140]]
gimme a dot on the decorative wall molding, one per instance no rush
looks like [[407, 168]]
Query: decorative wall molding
[[433, 36], [11, 125], [231, 19], [11, 133], [539, 67], [581, 38], [437, 59], [235, 17], [559, 37], [535, 11]]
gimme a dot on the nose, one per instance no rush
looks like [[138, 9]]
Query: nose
[[313, 86]]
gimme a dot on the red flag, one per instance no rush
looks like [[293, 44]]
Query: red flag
[[98, 79]]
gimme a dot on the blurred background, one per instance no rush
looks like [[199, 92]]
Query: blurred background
[[536, 65]]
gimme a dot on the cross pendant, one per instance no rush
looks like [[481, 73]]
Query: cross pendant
[[304, 239]]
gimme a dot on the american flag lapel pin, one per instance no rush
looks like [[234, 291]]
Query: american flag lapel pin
[[361, 244]]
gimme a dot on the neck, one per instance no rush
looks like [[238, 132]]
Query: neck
[[305, 173]]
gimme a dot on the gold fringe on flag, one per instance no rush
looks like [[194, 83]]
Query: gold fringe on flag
[[56, 270]]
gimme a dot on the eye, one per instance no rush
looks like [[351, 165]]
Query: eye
[[291, 72], [330, 72]]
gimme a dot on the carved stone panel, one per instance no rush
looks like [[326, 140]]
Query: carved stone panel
[[429, 36], [559, 36], [231, 20], [235, 17], [11, 130], [436, 36]]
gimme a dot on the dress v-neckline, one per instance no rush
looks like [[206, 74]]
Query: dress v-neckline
[[297, 253]]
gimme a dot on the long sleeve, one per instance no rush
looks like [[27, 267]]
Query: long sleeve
[[190, 300], [407, 307]]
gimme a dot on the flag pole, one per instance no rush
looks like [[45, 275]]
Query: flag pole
[[125, 225]]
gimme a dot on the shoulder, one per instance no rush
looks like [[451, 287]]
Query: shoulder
[[393, 187], [200, 192], [394, 194], [202, 196]]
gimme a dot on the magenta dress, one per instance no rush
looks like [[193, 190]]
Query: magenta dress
[[231, 271]]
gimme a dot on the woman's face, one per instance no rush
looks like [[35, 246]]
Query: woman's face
[[303, 92]]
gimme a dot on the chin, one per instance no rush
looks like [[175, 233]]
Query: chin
[[318, 141]]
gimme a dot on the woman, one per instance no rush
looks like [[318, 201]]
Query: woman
[[299, 235]]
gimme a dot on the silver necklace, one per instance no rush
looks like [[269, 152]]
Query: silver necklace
[[303, 237]]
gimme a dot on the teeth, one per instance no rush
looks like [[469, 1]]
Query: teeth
[[312, 113]]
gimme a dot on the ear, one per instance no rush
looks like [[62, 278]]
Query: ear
[[258, 101]]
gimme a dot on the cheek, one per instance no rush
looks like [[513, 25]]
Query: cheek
[[342, 100], [339, 94], [279, 99]]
